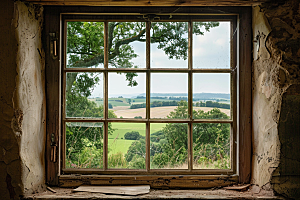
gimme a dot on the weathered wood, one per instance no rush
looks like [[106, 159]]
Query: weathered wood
[[233, 96], [153, 181], [149, 2], [244, 95], [237, 187], [121, 190], [52, 97], [154, 172], [53, 87], [163, 70]]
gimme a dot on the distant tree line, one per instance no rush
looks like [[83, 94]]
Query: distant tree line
[[212, 104], [155, 104]]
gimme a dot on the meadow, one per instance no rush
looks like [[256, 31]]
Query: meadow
[[117, 142]]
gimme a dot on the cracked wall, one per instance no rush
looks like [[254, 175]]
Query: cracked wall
[[22, 100], [276, 97]]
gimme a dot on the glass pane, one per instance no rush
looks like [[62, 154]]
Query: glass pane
[[84, 145], [169, 95], [211, 146], [211, 45], [169, 45], [84, 94], [126, 98], [85, 44], [168, 146], [126, 146], [211, 96], [127, 44]]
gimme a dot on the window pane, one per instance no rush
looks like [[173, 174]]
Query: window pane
[[211, 49], [169, 45], [85, 44], [84, 145], [84, 95], [126, 146], [127, 44], [211, 146], [211, 96], [168, 146], [169, 94], [127, 98]]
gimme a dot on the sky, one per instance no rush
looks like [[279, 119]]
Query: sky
[[209, 51]]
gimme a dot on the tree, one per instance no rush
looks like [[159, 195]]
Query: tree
[[85, 48], [85, 43], [210, 140], [133, 135]]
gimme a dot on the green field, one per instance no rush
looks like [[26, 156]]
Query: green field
[[125, 101], [116, 144]]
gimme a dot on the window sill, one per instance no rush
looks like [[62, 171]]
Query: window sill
[[155, 181], [64, 194]]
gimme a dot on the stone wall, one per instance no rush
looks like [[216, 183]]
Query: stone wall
[[276, 95], [22, 103]]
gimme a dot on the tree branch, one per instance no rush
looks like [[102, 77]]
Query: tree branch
[[126, 41]]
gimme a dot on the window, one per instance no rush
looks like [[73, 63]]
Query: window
[[148, 96]]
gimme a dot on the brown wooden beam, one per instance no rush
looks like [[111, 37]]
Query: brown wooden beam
[[149, 2], [154, 181], [244, 95]]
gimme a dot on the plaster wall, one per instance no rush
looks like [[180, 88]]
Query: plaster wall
[[22, 117], [276, 79]]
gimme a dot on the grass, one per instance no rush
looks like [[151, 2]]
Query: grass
[[116, 144]]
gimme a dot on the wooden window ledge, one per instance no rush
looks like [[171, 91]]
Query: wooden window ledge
[[66, 194]]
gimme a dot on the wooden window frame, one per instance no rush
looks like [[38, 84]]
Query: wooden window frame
[[240, 81]]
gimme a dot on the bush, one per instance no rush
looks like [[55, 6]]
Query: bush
[[138, 117], [137, 162], [133, 135], [117, 161]]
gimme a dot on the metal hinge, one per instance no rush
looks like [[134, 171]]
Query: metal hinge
[[53, 149], [53, 45]]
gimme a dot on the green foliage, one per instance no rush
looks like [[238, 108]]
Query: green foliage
[[138, 147], [155, 104], [137, 162], [85, 48], [117, 161], [217, 104], [133, 135]]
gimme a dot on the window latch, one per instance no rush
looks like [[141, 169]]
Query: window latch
[[53, 149], [53, 45]]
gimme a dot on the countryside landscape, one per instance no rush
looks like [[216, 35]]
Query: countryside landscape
[[126, 48], [126, 141]]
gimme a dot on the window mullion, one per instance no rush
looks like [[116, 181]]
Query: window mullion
[[148, 26], [190, 97], [233, 96], [105, 89]]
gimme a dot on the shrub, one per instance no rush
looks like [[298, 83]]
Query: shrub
[[117, 161], [133, 135]]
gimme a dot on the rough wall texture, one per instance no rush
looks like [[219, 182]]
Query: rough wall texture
[[276, 97], [29, 96], [10, 166], [22, 115]]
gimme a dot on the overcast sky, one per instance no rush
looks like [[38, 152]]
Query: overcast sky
[[209, 51]]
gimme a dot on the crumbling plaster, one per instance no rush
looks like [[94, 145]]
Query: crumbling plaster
[[276, 79], [22, 115]]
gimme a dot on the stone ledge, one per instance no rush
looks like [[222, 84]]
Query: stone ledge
[[66, 194]]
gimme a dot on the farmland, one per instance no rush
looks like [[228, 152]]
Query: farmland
[[117, 142], [121, 107]]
